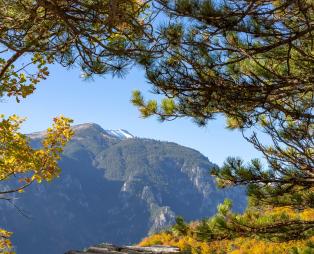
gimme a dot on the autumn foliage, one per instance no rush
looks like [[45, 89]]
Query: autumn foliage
[[21, 165], [191, 243], [250, 61]]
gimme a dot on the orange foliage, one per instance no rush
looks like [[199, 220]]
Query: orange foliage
[[235, 246]]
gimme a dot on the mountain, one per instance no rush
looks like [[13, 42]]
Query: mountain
[[115, 188]]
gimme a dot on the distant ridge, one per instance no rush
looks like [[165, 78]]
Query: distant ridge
[[119, 133], [113, 188]]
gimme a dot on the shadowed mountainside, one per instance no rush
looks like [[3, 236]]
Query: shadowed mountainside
[[115, 188]]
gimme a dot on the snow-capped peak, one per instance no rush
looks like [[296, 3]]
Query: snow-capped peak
[[120, 133], [37, 135]]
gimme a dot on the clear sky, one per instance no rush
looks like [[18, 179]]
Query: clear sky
[[106, 101]]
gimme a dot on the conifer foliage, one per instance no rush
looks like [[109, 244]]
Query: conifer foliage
[[250, 60], [253, 62]]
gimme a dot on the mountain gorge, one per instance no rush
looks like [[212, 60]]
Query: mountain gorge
[[115, 188]]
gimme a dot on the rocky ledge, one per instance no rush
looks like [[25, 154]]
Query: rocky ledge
[[112, 249]]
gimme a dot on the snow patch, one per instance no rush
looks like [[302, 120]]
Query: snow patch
[[37, 135], [120, 133]]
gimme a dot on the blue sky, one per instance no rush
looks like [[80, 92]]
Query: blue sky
[[106, 101]]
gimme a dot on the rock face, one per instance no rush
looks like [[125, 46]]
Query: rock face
[[112, 249], [116, 188]]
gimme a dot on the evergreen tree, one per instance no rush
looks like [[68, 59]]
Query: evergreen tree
[[180, 228], [253, 62]]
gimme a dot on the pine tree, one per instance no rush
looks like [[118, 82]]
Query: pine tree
[[253, 62], [250, 60]]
